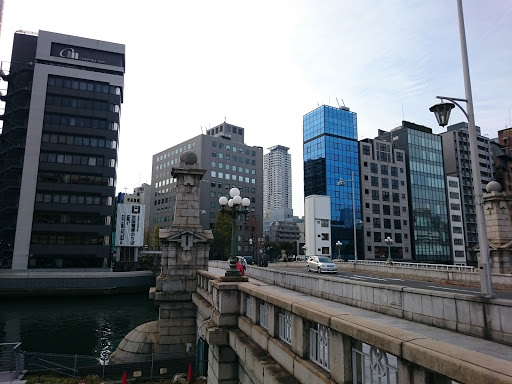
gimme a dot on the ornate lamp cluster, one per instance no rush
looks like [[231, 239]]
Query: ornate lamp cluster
[[238, 207]]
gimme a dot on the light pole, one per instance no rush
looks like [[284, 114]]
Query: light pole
[[339, 244], [238, 207], [341, 183], [442, 112], [388, 240]]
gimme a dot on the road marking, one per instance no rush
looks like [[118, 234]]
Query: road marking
[[452, 289], [377, 278]]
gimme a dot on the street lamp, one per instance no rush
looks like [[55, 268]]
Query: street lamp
[[238, 207], [388, 240], [341, 183], [339, 244], [442, 114]]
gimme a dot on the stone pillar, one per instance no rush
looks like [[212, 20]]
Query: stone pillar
[[222, 359], [413, 374], [341, 357], [499, 228], [185, 250]]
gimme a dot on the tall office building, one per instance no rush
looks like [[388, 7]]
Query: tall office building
[[228, 162], [58, 150], [331, 154], [277, 186], [426, 191], [457, 163], [384, 201]]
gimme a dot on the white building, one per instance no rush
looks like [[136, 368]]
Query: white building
[[317, 214], [456, 220]]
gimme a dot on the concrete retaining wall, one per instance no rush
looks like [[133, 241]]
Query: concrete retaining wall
[[476, 316], [73, 283]]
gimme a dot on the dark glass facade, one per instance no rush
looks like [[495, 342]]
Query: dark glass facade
[[427, 192], [331, 154], [58, 153]]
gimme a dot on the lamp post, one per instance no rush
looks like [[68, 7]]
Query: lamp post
[[442, 112], [341, 183], [339, 244], [238, 207], [388, 240]]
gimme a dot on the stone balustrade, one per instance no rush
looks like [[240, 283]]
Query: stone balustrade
[[475, 316], [261, 334]]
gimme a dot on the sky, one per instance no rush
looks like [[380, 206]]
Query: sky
[[193, 64]]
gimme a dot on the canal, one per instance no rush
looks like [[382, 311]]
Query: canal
[[83, 325]]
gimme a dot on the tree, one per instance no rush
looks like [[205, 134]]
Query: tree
[[155, 239], [221, 245]]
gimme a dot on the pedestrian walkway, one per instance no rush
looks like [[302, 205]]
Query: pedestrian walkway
[[472, 343], [10, 378]]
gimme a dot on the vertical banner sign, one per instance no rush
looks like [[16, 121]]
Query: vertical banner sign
[[130, 225]]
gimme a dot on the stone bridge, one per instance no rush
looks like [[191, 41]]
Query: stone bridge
[[261, 332]]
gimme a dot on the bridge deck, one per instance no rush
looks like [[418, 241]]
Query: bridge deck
[[457, 339]]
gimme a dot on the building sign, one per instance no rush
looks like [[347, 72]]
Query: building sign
[[86, 54], [130, 225]]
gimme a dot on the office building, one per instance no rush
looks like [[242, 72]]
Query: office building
[[331, 154], [58, 151], [228, 162], [426, 191], [456, 221], [384, 201], [277, 186], [457, 162]]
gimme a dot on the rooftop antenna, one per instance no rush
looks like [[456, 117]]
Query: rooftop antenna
[[224, 117], [339, 106], [201, 129], [125, 188], [403, 115]]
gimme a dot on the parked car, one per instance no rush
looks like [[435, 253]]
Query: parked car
[[249, 260], [321, 264]]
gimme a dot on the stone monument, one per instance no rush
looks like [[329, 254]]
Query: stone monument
[[499, 228]]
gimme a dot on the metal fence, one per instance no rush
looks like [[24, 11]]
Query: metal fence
[[435, 267], [12, 358], [149, 366]]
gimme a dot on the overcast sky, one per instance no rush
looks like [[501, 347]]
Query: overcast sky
[[263, 65]]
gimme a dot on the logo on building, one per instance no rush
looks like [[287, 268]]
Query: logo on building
[[69, 53]]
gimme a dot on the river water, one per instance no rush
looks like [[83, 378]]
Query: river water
[[83, 325]]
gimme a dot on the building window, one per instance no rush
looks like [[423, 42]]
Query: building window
[[386, 210], [285, 327], [376, 209], [377, 237], [385, 182], [385, 196], [387, 223], [375, 181], [458, 242], [366, 150], [376, 222], [375, 194], [384, 169], [374, 168]]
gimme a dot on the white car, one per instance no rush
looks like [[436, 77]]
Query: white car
[[321, 264]]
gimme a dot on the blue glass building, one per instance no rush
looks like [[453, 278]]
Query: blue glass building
[[331, 154]]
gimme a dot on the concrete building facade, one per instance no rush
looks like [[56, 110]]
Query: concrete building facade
[[277, 186], [317, 213], [457, 225], [385, 213], [457, 162], [58, 151], [228, 162]]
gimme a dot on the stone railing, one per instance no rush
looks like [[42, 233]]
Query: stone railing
[[475, 316], [259, 334]]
